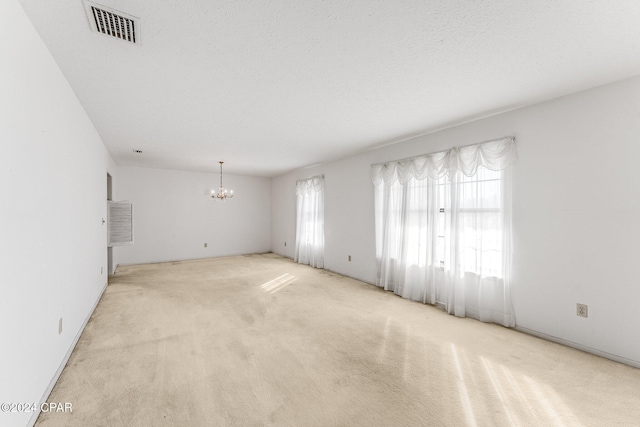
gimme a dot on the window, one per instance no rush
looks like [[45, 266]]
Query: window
[[443, 229], [480, 225], [310, 222]]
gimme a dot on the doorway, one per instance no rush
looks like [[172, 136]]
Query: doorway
[[109, 249]]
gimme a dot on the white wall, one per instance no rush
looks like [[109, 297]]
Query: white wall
[[173, 217], [53, 169], [576, 213]]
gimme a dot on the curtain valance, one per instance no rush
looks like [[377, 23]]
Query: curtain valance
[[495, 155], [309, 185]]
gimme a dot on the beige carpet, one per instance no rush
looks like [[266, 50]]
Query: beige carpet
[[260, 341]]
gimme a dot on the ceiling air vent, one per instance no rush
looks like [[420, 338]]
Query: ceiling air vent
[[113, 23]]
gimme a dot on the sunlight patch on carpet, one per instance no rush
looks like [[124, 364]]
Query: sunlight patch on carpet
[[278, 283], [464, 393]]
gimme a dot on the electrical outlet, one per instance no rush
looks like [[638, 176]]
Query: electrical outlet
[[60, 326], [285, 243], [205, 245], [582, 310], [349, 258]]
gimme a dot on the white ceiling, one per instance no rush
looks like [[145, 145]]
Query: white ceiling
[[269, 86]]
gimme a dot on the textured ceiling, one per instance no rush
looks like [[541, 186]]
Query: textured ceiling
[[270, 86]]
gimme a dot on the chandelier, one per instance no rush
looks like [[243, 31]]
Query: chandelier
[[222, 193]]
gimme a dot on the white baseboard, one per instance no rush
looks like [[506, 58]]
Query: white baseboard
[[586, 349], [54, 380]]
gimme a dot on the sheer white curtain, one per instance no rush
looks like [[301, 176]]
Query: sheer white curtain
[[310, 222], [443, 229]]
